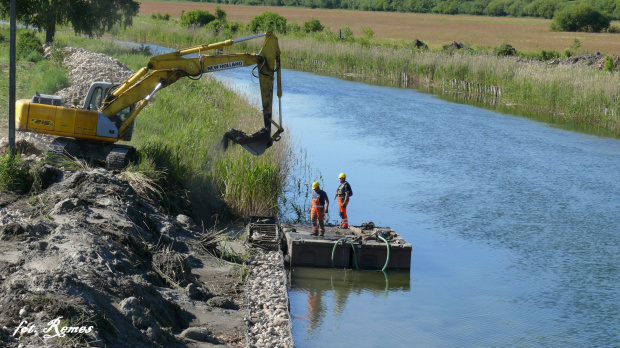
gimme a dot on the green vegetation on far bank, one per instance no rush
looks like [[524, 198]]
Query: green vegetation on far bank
[[496, 8]]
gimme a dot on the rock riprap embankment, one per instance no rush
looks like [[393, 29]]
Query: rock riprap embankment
[[269, 323]]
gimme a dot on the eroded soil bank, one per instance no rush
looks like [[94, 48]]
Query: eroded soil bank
[[93, 255]]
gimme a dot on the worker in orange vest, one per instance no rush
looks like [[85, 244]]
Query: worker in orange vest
[[343, 194], [318, 209]]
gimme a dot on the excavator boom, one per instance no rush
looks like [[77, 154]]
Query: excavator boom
[[165, 69]]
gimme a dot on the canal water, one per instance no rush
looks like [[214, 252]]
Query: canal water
[[514, 223]]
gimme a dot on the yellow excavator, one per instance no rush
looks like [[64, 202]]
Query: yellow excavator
[[108, 113]]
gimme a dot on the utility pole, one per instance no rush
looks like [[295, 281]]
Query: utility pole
[[12, 79]]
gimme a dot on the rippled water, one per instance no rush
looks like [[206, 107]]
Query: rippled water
[[514, 223]]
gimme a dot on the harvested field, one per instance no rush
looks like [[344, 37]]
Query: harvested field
[[525, 34]]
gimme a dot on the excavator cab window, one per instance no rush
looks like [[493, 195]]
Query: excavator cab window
[[122, 115], [95, 99]]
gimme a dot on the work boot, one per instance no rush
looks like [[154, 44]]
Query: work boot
[[315, 233]]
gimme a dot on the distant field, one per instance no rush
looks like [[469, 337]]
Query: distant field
[[526, 34]]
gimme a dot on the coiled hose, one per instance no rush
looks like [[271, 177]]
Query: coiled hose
[[387, 261]]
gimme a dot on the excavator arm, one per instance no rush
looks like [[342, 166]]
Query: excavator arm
[[166, 69]]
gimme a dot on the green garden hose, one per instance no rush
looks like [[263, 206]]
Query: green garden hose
[[388, 252], [352, 246], [387, 260]]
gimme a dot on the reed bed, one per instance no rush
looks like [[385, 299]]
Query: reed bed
[[574, 94]]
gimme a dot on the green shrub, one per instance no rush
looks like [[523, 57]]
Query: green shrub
[[231, 28], [368, 33], [548, 55], [198, 18], [215, 26], [293, 28], [580, 18], [313, 26], [504, 50], [614, 29], [13, 174], [268, 21], [164, 17], [2, 38], [610, 65], [57, 52], [347, 34], [28, 47]]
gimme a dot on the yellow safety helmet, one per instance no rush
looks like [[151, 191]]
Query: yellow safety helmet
[[315, 185], [342, 176]]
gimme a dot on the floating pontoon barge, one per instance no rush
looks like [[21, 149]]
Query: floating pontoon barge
[[362, 247]]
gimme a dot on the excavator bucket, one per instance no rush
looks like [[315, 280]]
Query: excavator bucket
[[256, 143]]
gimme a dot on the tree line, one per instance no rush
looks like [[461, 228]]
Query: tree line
[[514, 8]]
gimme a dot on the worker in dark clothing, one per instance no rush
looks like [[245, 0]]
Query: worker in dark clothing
[[343, 194], [318, 209]]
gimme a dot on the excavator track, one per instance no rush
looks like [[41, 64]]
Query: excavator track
[[64, 147], [119, 157], [112, 156]]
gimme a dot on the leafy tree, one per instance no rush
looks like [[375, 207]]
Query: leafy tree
[[447, 7], [313, 25], [541, 8], [474, 7], [516, 9], [268, 21], [496, 8], [580, 18], [197, 17], [88, 17]]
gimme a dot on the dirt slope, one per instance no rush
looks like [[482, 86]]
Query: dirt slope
[[91, 255]]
